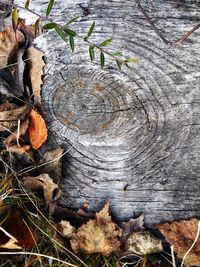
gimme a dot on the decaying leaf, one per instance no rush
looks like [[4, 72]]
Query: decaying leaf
[[100, 235], [143, 243], [43, 181], [182, 235], [37, 129], [53, 160], [36, 65], [9, 44], [15, 234], [131, 226]]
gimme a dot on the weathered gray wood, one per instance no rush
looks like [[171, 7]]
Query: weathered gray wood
[[135, 134]]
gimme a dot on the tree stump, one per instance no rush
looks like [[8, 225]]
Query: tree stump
[[133, 135]]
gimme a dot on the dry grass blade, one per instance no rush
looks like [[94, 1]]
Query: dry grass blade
[[193, 244]]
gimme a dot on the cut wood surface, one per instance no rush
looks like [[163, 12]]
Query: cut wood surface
[[134, 134]]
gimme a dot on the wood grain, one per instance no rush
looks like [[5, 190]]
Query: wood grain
[[135, 134]]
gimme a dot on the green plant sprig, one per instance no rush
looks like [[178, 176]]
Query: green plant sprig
[[68, 34]]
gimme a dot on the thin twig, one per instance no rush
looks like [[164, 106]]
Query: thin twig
[[158, 32]]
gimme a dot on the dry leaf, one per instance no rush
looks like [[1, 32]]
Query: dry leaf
[[7, 125], [53, 160], [37, 129], [43, 181], [143, 243], [16, 233], [9, 44], [100, 235], [66, 229], [182, 235], [131, 226], [36, 65], [13, 112], [13, 136]]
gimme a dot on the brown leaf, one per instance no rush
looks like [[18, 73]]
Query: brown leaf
[[182, 235], [9, 44], [53, 160], [66, 229], [36, 65], [13, 136], [143, 243], [13, 112], [21, 235], [37, 129], [43, 181], [7, 125], [100, 235]]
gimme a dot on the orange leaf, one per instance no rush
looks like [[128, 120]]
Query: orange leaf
[[37, 129]]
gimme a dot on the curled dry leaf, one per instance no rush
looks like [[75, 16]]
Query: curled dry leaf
[[37, 129], [53, 160], [36, 65], [182, 235], [143, 243], [100, 235], [9, 44], [43, 181]]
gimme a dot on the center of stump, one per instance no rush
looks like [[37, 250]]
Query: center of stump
[[91, 106]]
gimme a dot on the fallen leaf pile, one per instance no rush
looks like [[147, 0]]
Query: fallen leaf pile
[[20, 122]]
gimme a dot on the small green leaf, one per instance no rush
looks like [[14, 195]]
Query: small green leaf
[[71, 42], [117, 54], [131, 60], [85, 39], [26, 5], [91, 52], [119, 64], [60, 32], [36, 26], [91, 29], [15, 18], [106, 42], [70, 32], [71, 20], [49, 26], [49, 8], [102, 59]]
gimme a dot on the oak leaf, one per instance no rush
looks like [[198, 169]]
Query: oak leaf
[[182, 235], [37, 129], [9, 44], [99, 235], [36, 65]]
